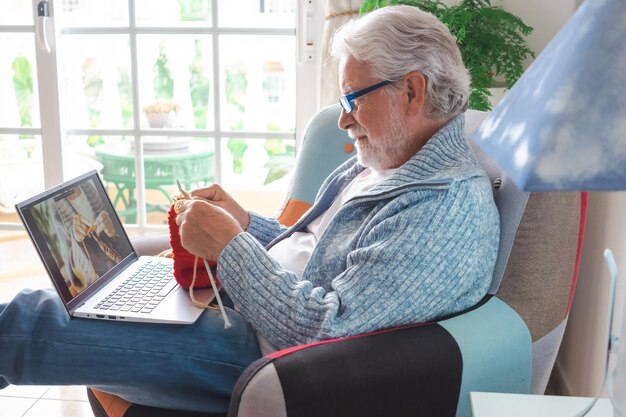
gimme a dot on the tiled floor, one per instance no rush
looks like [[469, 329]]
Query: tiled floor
[[20, 268], [41, 401]]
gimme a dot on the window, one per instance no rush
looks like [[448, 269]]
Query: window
[[150, 91]]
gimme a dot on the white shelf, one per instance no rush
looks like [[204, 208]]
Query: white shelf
[[487, 404]]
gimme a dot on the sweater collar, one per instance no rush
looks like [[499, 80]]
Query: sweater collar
[[442, 156], [444, 153]]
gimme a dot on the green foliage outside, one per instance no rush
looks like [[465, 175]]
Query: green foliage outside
[[237, 148], [163, 82], [126, 98], [23, 84], [199, 86], [236, 88], [94, 140], [281, 156], [492, 41], [194, 10], [92, 87]]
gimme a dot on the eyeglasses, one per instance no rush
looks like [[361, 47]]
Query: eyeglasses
[[346, 101]]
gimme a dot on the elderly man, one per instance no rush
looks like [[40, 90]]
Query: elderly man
[[405, 232]]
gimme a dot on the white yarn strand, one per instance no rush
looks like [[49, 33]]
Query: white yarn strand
[[227, 324]]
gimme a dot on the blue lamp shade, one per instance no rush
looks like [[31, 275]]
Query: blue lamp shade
[[562, 126]]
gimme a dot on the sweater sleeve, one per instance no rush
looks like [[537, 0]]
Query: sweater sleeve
[[264, 229], [273, 300], [447, 268]]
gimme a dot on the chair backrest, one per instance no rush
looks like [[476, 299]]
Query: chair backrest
[[540, 238], [324, 147], [537, 267]]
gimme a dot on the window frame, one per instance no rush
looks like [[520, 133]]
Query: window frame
[[53, 120]]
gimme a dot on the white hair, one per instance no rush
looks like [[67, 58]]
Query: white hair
[[396, 40]]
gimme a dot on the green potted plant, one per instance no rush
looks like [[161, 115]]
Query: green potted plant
[[492, 41]]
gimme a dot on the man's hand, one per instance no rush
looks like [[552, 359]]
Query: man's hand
[[80, 228], [220, 198], [205, 229]]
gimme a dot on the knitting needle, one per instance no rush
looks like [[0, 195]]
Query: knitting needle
[[182, 190]]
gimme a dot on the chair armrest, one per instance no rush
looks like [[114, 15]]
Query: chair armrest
[[420, 370]]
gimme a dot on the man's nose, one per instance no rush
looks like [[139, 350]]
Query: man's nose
[[345, 120]]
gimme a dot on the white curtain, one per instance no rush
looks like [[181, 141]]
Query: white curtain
[[336, 13]]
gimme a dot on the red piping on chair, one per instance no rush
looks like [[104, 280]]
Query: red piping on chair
[[290, 350], [581, 234]]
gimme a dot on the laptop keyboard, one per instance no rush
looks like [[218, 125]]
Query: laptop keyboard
[[141, 292]]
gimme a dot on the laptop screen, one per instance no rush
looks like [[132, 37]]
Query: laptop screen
[[77, 233]]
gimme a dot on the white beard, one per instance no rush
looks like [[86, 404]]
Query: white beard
[[384, 152]]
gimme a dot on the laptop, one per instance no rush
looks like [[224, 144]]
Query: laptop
[[92, 263]]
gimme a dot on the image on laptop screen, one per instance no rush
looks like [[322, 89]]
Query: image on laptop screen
[[79, 236]]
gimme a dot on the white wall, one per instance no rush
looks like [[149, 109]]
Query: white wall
[[580, 364], [545, 17]]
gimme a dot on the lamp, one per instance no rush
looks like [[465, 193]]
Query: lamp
[[562, 126]]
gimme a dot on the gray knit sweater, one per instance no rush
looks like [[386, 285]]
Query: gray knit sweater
[[420, 245]]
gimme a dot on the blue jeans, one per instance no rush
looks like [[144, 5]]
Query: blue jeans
[[185, 367]]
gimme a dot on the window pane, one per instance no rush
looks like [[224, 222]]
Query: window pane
[[92, 13], [257, 171], [16, 12], [258, 83], [90, 148], [257, 13], [175, 83], [166, 159], [173, 12], [18, 81], [97, 83], [21, 170]]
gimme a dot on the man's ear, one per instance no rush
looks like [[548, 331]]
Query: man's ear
[[416, 94]]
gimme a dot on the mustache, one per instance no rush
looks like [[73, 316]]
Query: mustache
[[356, 132]]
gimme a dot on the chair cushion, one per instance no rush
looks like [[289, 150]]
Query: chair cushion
[[541, 274], [543, 263], [420, 370], [292, 211], [324, 145]]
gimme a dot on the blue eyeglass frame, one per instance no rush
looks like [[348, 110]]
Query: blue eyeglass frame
[[346, 101]]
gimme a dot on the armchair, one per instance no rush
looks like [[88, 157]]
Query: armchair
[[507, 343]]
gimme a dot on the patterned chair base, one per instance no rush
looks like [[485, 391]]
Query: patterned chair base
[[108, 405]]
